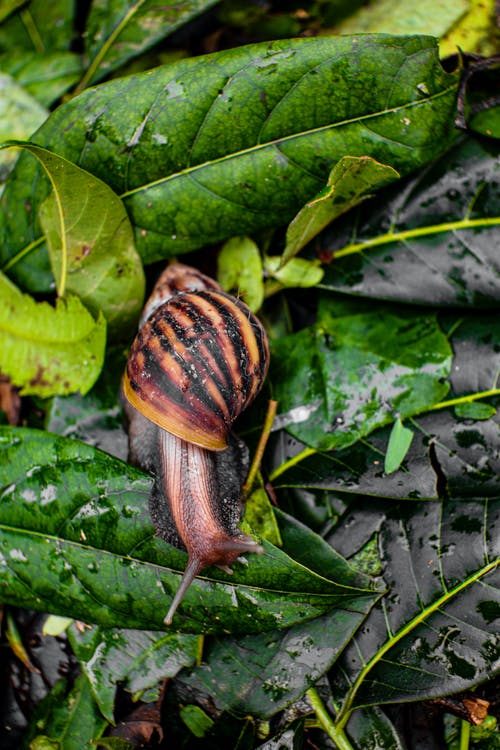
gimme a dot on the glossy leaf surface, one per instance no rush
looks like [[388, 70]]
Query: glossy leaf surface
[[225, 144], [432, 241], [436, 632], [138, 659], [353, 372], [102, 562]]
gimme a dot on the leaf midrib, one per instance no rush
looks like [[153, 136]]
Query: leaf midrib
[[286, 139]]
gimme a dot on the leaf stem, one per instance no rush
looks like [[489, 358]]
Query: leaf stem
[[325, 720], [32, 31], [409, 234], [292, 462], [264, 437], [22, 253]]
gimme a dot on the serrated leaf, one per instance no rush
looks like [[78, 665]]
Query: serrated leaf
[[352, 373], [102, 562], [225, 144], [90, 241], [430, 241], [120, 30], [435, 632], [400, 440], [351, 180], [138, 660], [47, 350]]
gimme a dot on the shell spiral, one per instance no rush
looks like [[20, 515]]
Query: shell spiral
[[197, 362]]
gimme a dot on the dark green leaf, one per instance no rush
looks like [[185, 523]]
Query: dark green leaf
[[356, 372], [137, 659], [221, 145], [95, 556], [475, 410], [68, 718], [262, 674], [431, 241], [436, 631], [121, 29], [196, 720], [45, 76], [39, 26], [370, 729]]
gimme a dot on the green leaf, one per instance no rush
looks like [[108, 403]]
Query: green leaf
[[474, 31], [351, 180], [475, 410], [47, 350], [436, 631], [67, 719], [95, 556], [8, 7], [138, 660], [20, 116], [298, 272], [196, 720], [38, 26], [121, 29], [221, 145], [432, 240], [400, 440], [46, 76], [259, 674], [370, 729], [401, 17], [353, 372], [239, 270], [90, 242]]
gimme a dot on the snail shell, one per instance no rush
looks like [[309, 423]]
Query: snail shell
[[199, 359]]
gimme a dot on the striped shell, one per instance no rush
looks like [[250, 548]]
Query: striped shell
[[196, 363]]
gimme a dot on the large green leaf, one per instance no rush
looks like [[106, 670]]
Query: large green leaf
[[217, 146], [353, 372], [120, 30], [95, 556], [432, 241], [47, 350], [436, 631]]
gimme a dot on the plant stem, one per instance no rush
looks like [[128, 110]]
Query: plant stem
[[292, 461], [409, 234], [465, 399], [464, 735], [264, 437], [325, 720]]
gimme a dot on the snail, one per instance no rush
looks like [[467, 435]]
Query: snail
[[198, 360]]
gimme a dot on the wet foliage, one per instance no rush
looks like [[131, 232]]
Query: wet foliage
[[337, 165]]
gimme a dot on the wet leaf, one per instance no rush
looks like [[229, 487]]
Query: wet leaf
[[354, 372], [47, 350], [90, 241], [138, 660], [68, 719], [290, 110], [351, 180], [103, 564], [436, 631], [262, 674], [430, 241], [120, 30]]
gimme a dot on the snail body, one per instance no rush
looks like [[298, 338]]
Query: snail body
[[198, 360]]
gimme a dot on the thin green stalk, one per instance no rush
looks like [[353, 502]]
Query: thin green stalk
[[464, 735], [23, 253], [32, 30], [292, 462], [264, 437], [94, 65], [410, 234], [465, 399], [327, 724]]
